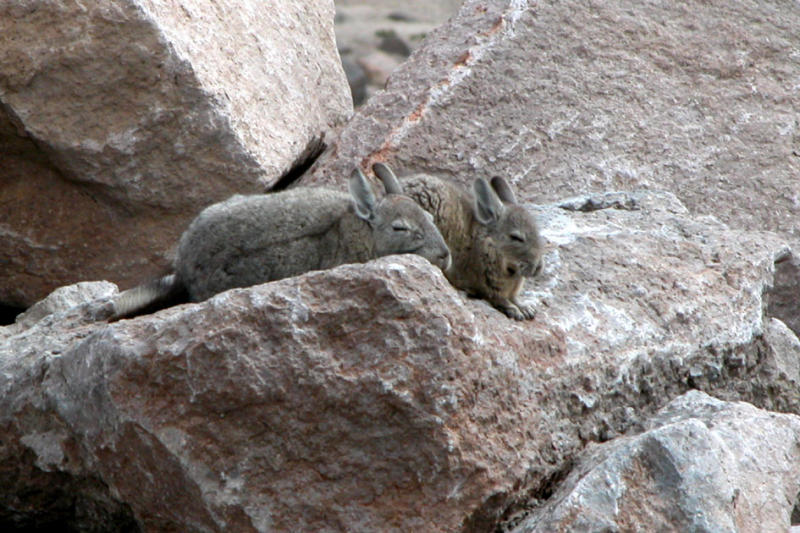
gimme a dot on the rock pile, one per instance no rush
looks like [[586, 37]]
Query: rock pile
[[704, 465], [658, 387]]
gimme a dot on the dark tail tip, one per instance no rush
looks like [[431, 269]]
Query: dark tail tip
[[149, 298]]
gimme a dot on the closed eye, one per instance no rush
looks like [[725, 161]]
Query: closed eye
[[399, 225], [515, 236]]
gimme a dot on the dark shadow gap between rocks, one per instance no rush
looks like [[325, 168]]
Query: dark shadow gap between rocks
[[784, 295], [502, 512], [301, 164], [55, 501], [9, 313]]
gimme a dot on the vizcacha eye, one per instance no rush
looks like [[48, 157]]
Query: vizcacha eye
[[517, 236], [400, 225]]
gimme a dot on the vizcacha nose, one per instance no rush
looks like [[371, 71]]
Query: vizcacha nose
[[444, 260]]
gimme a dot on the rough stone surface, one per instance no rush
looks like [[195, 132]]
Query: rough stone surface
[[120, 120], [701, 465], [697, 98], [376, 397], [64, 299]]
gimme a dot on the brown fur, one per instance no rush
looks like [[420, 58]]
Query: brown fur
[[494, 247]]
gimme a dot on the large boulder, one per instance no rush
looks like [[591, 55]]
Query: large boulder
[[120, 120], [701, 465], [376, 397], [696, 98]]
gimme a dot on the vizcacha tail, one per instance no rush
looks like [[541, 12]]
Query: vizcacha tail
[[149, 297]]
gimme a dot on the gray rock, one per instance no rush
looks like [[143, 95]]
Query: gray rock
[[119, 121], [65, 298], [701, 465]]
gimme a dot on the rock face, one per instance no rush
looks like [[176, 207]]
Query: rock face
[[701, 465], [376, 397], [699, 99], [120, 120], [63, 299]]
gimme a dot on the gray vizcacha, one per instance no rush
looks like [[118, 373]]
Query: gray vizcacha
[[247, 240]]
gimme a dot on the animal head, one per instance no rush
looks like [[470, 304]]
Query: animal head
[[510, 227], [399, 226]]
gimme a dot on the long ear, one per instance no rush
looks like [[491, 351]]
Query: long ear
[[363, 198], [488, 206], [388, 178], [503, 190]]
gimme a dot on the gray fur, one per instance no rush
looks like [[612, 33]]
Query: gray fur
[[247, 240], [495, 242]]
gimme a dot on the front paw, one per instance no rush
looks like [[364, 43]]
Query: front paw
[[527, 311], [516, 311]]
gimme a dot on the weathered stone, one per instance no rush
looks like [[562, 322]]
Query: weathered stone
[[120, 120], [375, 397], [64, 299], [47, 485], [701, 465], [697, 98]]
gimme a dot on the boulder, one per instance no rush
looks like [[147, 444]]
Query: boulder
[[375, 397], [562, 98], [121, 120], [701, 465], [65, 298]]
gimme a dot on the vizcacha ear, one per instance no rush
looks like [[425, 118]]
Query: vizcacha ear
[[503, 190], [390, 182], [488, 206], [363, 198]]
